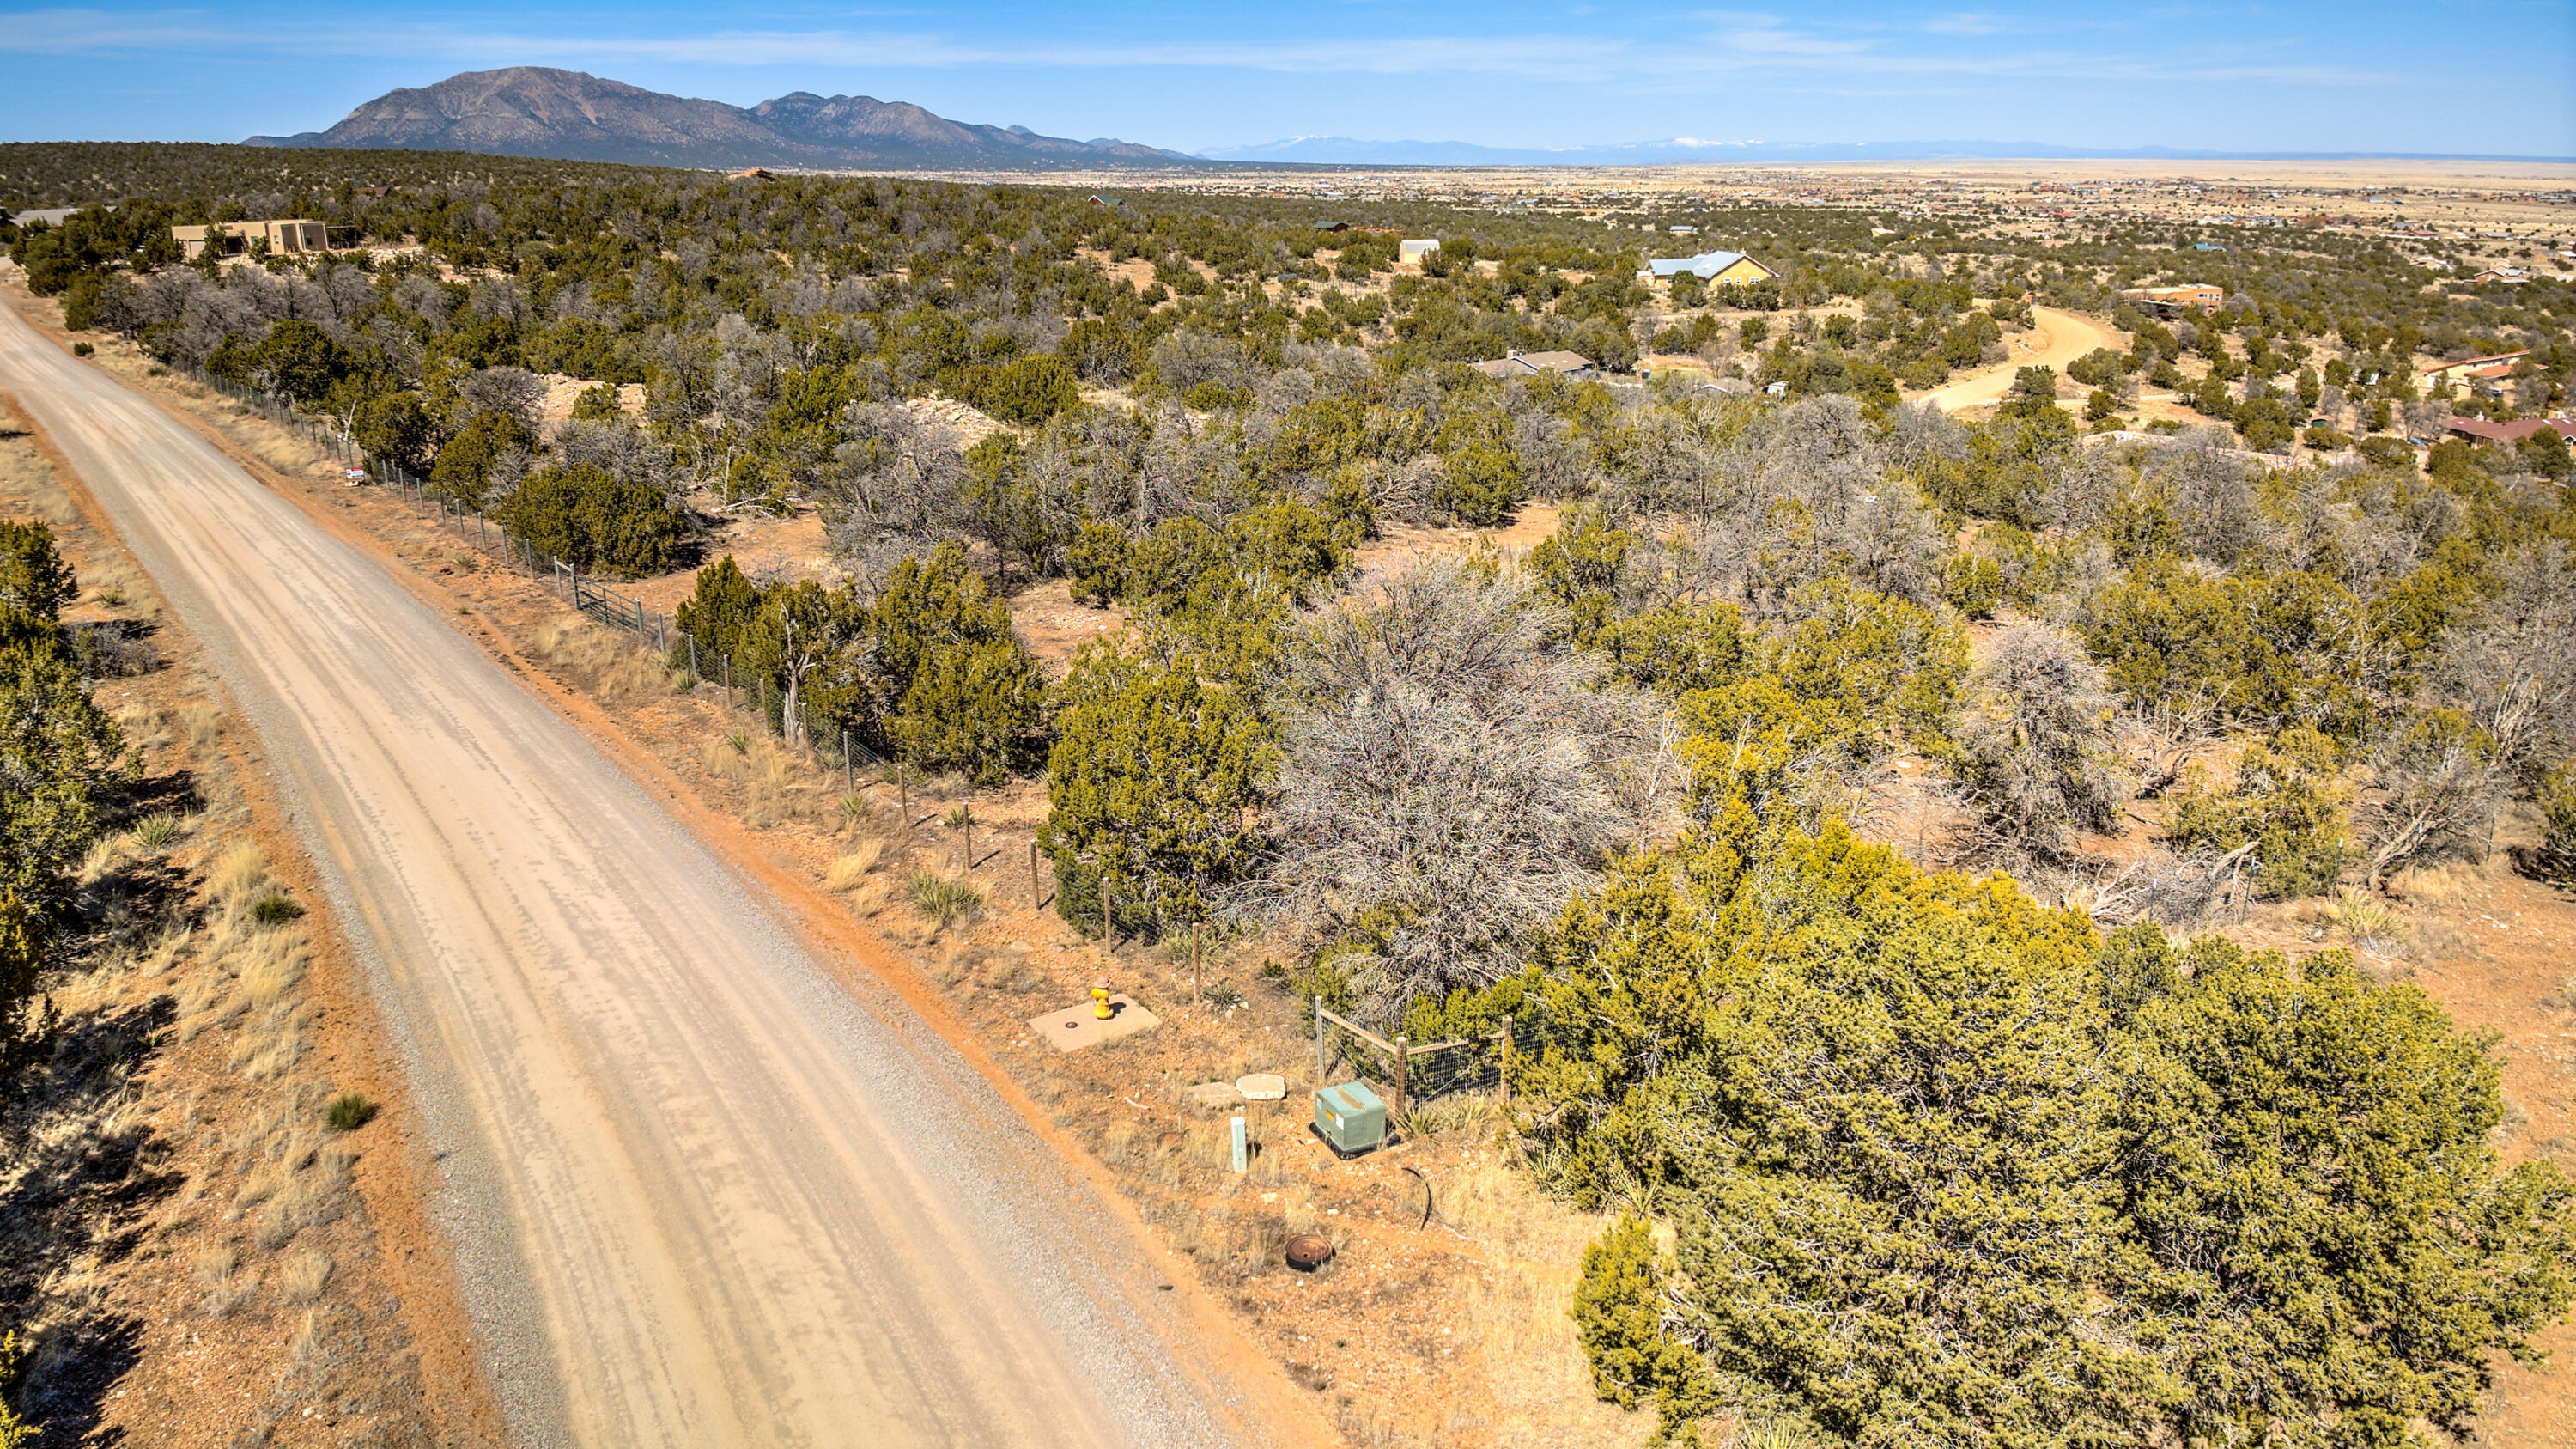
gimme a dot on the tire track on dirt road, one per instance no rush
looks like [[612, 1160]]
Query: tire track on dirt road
[[698, 1195]]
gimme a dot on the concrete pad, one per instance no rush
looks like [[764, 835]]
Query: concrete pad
[[1262, 1086], [1074, 1028], [1215, 1094]]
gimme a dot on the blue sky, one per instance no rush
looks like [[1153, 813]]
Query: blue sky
[[2454, 76]]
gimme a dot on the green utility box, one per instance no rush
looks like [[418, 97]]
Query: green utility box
[[1350, 1118]]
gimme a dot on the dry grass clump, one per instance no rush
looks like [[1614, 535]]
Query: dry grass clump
[[764, 771], [1519, 1313], [229, 1283], [2367, 920], [237, 872], [145, 727], [852, 869], [603, 659]]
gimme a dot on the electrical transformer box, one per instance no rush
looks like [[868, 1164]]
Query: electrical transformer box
[[1350, 1117]]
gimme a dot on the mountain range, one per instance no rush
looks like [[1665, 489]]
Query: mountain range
[[567, 115]]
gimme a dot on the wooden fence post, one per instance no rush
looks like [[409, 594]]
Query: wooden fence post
[[1322, 1064], [1403, 1066]]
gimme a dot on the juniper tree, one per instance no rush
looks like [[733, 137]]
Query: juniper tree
[[1151, 785]]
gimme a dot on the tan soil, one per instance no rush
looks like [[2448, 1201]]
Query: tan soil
[[262, 1349]]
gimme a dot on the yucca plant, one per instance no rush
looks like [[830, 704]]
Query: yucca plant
[[945, 901]]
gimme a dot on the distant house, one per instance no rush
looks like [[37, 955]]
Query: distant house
[[50, 216], [1414, 251], [756, 173], [1715, 268], [1527, 364], [295, 235], [2499, 274], [2472, 368], [1334, 226], [1683, 230], [2174, 301], [2479, 430]]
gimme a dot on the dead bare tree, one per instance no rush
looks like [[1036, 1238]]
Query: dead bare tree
[[2160, 737], [2036, 743], [2432, 788], [1450, 777]]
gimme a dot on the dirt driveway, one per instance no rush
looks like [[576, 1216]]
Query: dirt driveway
[[2069, 337], [699, 1194]]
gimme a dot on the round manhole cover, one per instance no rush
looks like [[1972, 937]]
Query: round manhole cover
[[1308, 1252]]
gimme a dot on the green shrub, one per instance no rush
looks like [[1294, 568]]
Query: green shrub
[[2278, 803], [973, 709], [275, 909], [1029, 390], [1481, 485], [1618, 1316], [1097, 562], [349, 1111], [2558, 822], [592, 521], [463, 467], [597, 404]]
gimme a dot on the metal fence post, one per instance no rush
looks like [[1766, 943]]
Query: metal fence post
[[1503, 1074], [1034, 902]]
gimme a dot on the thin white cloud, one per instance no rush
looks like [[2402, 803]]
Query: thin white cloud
[[1737, 44]]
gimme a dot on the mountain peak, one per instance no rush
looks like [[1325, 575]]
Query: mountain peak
[[571, 115]]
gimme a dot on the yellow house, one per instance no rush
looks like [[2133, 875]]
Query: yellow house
[[1718, 269], [282, 236]]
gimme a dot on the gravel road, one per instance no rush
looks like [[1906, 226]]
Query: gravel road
[[698, 1192], [2069, 337]]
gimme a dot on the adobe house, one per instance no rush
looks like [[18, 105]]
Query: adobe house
[[282, 236]]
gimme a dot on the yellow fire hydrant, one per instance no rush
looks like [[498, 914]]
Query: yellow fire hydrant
[[1100, 1000]]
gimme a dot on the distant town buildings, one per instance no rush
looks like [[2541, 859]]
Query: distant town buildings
[[295, 235], [1714, 268]]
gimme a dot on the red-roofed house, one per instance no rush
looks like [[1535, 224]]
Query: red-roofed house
[[2482, 431], [2496, 366]]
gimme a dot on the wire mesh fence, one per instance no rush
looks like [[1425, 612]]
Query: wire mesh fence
[[333, 437], [1406, 1072]]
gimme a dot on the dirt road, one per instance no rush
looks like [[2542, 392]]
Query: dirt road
[[2069, 337], [699, 1195]]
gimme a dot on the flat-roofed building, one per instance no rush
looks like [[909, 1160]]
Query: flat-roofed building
[[1416, 250], [2471, 369], [294, 235], [1527, 364], [2174, 301]]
